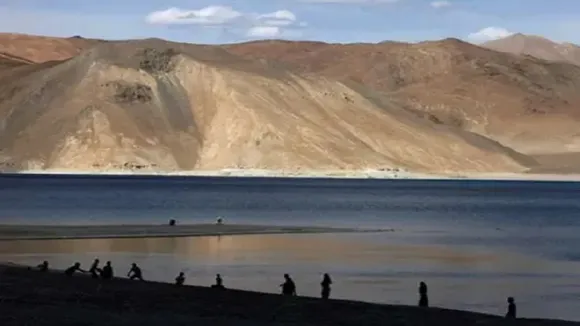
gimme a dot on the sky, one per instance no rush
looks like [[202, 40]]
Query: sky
[[343, 21]]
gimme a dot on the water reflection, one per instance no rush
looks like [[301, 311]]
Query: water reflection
[[363, 266]]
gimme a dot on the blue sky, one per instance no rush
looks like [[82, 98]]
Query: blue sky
[[205, 21]]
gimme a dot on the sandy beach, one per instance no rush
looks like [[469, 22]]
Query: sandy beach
[[30, 297], [46, 232], [338, 174]]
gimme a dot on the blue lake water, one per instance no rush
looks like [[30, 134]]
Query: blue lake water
[[473, 242]]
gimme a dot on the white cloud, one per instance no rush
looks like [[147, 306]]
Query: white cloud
[[440, 4], [274, 24], [212, 15], [280, 14], [489, 34]]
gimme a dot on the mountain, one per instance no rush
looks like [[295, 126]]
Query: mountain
[[162, 106], [538, 47], [43, 48], [525, 103]]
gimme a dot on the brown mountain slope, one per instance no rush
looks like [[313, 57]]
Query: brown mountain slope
[[42, 48], [538, 47], [525, 103], [167, 106]]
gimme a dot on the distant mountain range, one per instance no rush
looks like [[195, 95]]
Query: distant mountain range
[[438, 106], [538, 47]]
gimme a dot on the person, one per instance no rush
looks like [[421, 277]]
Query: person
[[180, 279], [171, 222], [326, 281], [107, 271], [511, 313], [74, 268], [423, 298], [43, 267], [218, 282], [135, 272], [288, 287], [94, 270]]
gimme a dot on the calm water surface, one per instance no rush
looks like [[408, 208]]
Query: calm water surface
[[473, 242]]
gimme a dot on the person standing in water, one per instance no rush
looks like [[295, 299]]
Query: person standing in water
[[325, 284], [423, 299]]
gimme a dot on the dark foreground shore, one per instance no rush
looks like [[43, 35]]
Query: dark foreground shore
[[29, 297], [45, 232]]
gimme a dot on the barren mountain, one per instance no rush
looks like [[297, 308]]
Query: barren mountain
[[538, 47], [42, 48], [524, 103], [152, 104]]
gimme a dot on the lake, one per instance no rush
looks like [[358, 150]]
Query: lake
[[473, 242]]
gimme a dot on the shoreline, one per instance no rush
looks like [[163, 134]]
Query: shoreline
[[391, 174], [35, 298], [10, 232]]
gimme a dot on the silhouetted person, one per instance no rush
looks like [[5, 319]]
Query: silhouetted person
[[172, 222], [180, 279], [325, 284], [511, 313], [74, 268], [423, 299], [288, 287], [219, 283], [43, 267], [135, 273], [107, 271], [94, 270]]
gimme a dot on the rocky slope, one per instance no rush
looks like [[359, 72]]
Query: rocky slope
[[164, 106], [524, 103]]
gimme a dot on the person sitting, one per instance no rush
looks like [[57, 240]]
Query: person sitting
[[107, 271], [74, 268], [218, 282], [94, 270], [135, 273], [43, 267], [180, 279]]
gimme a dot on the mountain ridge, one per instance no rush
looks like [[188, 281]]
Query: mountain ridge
[[288, 105], [537, 46]]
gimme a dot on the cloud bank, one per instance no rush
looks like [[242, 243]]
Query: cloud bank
[[281, 23], [489, 34]]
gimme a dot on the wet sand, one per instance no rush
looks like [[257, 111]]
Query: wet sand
[[33, 298], [47, 232]]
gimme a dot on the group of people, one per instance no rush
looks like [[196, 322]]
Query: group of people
[[105, 273], [288, 287]]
